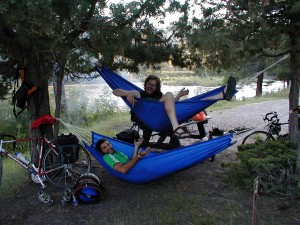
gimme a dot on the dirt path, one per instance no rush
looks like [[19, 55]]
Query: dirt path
[[136, 204]]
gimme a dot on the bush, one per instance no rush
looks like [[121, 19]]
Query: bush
[[273, 162]]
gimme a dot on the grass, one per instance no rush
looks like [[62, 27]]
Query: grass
[[14, 176]]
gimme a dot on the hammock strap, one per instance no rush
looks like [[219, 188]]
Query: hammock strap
[[255, 75], [81, 133]]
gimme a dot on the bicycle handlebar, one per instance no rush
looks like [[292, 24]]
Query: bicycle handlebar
[[2, 136], [273, 117]]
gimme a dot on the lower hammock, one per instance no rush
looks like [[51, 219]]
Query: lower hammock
[[157, 165]]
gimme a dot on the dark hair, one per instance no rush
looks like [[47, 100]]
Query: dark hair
[[158, 83], [99, 143]]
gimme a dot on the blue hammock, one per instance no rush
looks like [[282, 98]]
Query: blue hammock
[[152, 113], [157, 165]]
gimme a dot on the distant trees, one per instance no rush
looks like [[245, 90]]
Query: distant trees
[[230, 32], [58, 38]]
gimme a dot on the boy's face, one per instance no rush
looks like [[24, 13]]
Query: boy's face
[[151, 86], [106, 148]]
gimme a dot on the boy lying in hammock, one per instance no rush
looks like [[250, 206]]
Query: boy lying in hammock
[[118, 160], [152, 91]]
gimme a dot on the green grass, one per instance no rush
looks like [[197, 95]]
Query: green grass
[[14, 176], [193, 80]]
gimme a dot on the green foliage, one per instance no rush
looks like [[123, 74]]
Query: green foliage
[[14, 176], [10, 124], [83, 112], [273, 162]]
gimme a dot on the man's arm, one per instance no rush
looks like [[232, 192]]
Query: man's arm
[[123, 168], [131, 95]]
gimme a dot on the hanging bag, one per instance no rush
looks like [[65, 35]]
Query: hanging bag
[[20, 97], [128, 135], [68, 148]]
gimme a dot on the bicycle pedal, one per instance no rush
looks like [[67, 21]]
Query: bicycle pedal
[[45, 198], [67, 197]]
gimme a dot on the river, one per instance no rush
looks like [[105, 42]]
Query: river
[[91, 94]]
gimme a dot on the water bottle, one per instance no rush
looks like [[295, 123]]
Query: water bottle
[[22, 158]]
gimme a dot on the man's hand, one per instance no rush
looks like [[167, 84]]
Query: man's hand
[[138, 142], [142, 154], [131, 98], [183, 92]]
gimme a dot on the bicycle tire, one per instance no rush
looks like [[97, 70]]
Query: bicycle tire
[[257, 136], [65, 175]]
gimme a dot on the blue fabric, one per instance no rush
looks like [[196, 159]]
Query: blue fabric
[[152, 113], [157, 165]]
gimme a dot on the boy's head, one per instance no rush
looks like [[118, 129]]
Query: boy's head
[[104, 147], [152, 85]]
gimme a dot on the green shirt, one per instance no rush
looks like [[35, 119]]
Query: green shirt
[[117, 157]]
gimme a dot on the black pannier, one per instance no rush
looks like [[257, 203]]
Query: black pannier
[[128, 135], [68, 147]]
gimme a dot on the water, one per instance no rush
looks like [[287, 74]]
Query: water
[[92, 93]]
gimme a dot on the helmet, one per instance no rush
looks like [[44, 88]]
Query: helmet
[[88, 189]]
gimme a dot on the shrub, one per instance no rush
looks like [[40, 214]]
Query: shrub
[[275, 164]]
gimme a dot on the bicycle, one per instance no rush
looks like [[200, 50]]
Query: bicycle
[[49, 164], [273, 130]]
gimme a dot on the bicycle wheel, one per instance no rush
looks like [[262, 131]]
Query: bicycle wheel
[[257, 136], [65, 175]]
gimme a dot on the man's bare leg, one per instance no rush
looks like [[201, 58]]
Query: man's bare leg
[[169, 104]]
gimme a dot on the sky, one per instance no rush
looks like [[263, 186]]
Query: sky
[[168, 19]]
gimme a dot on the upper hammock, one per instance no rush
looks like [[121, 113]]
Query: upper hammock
[[156, 165], [152, 113]]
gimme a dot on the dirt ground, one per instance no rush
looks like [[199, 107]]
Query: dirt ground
[[205, 181]]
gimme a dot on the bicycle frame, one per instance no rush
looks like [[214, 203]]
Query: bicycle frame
[[31, 168]]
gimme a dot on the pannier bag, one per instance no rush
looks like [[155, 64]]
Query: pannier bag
[[128, 135], [68, 147], [88, 189]]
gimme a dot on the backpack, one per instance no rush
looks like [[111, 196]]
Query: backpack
[[68, 148], [20, 97], [128, 135], [88, 189]]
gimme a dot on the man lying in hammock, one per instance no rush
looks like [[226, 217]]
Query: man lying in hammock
[[118, 160], [152, 91]]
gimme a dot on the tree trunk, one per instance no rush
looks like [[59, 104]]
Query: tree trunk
[[294, 95], [38, 101], [260, 78], [259, 83], [59, 90]]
